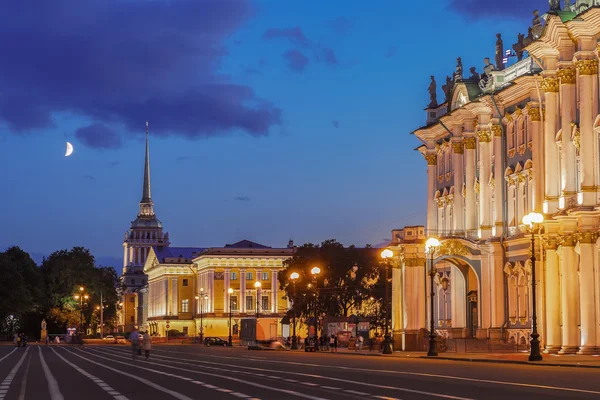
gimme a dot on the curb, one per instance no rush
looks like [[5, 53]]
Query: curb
[[487, 360]]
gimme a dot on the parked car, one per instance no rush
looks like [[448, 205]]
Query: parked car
[[120, 340], [214, 341], [109, 338]]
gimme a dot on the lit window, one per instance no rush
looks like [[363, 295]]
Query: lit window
[[234, 276], [265, 276], [265, 302], [186, 282], [185, 330], [185, 305], [234, 303], [248, 276], [249, 303]]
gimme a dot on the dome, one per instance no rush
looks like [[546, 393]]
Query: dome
[[145, 222]]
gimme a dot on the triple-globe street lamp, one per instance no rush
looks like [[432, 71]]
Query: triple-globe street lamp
[[294, 276], [230, 291], [81, 296], [257, 285], [431, 246], [315, 271], [201, 298], [531, 219], [387, 254]]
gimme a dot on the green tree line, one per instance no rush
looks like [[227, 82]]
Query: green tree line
[[30, 293]]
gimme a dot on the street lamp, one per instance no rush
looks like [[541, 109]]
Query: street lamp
[[81, 297], [316, 271], [431, 246], [257, 285], [230, 291], [201, 299], [293, 277], [387, 340], [530, 219]]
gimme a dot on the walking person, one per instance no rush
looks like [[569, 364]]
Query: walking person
[[335, 343], [135, 343], [47, 339], [332, 343], [147, 345]]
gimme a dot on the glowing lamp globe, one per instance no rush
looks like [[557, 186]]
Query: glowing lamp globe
[[315, 270], [294, 276], [387, 253]]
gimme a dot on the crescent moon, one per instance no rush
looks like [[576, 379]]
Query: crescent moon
[[69, 149]]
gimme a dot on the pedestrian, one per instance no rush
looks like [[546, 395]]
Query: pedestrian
[[371, 344], [360, 342], [335, 343], [331, 343], [135, 342], [147, 344], [16, 339], [47, 339]]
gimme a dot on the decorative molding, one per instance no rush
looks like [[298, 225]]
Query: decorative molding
[[431, 158], [497, 130], [484, 135], [476, 186], [511, 152], [567, 239], [453, 247], [550, 85], [550, 242], [567, 76], [458, 147], [469, 143], [587, 237], [576, 136], [521, 149], [448, 175], [534, 114], [518, 111], [587, 67], [441, 178]]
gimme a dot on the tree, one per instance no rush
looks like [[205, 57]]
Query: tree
[[345, 281]]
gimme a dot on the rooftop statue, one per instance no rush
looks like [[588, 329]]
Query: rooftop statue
[[458, 74], [499, 52], [567, 5], [519, 47], [474, 75], [554, 5], [486, 81], [447, 88], [536, 26], [432, 93]]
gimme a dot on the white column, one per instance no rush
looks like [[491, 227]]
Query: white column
[[485, 166], [397, 295], [588, 71], [431, 159], [226, 286], [211, 291], [537, 157], [552, 173], [552, 281], [457, 163], [274, 291], [242, 305], [498, 181], [471, 196], [124, 258], [569, 115], [587, 286], [569, 290]]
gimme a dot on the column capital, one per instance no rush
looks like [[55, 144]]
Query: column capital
[[458, 147], [567, 76], [497, 130], [469, 143], [534, 114], [550, 84], [587, 237], [550, 242], [587, 67], [567, 239], [431, 158], [484, 135]]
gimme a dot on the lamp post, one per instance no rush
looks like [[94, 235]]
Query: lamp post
[[81, 296], [257, 285], [316, 271], [535, 354], [293, 277], [387, 339], [201, 299], [431, 247], [230, 291]]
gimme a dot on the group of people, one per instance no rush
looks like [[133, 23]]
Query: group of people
[[140, 342], [20, 339]]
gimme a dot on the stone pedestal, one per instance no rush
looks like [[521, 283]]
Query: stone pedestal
[[43, 335]]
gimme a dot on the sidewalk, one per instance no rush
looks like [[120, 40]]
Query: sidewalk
[[549, 360]]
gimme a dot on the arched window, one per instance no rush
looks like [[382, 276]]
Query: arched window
[[510, 135], [521, 132]]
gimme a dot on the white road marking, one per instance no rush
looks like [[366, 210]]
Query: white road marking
[[331, 388], [153, 385], [5, 385], [385, 398], [53, 388], [97, 381], [24, 380], [448, 377], [356, 392], [6, 356], [290, 392]]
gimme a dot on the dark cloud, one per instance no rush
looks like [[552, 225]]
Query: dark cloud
[[121, 62], [89, 177], [335, 123], [391, 51], [341, 25], [329, 56], [514, 9], [241, 198], [99, 136], [295, 60], [294, 35]]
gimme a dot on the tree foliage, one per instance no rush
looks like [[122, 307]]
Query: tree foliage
[[20, 284], [348, 277]]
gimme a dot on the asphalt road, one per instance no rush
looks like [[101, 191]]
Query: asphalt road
[[197, 372]]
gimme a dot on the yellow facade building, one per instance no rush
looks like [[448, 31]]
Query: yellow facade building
[[188, 288]]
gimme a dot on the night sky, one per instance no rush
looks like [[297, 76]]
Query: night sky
[[269, 120]]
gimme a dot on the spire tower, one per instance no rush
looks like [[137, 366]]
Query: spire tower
[[146, 204]]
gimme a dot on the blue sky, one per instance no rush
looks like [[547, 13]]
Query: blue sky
[[269, 120]]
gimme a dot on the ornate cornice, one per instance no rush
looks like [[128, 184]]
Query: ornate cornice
[[454, 247], [431, 158], [567, 76], [550, 85], [469, 143], [587, 67], [587, 237], [484, 135], [458, 147], [534, 114], [497, 130]]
